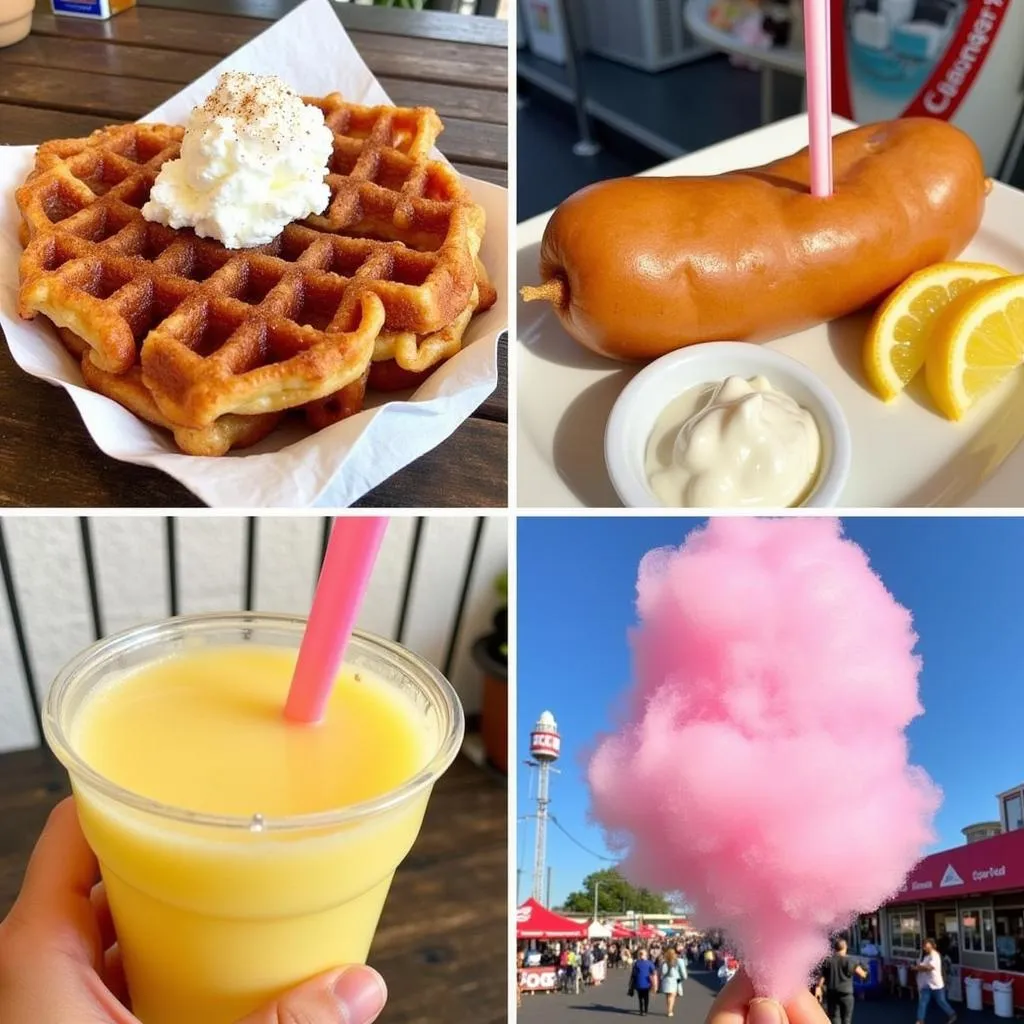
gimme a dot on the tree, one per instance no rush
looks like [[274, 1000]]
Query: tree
[[614, 896]]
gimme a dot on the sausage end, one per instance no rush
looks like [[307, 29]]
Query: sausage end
[[555, 290]]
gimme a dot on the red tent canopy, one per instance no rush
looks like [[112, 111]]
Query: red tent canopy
[[620, 931], [534, 921], [648, 931]]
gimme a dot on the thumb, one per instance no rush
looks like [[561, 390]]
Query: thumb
[[353, 995], [737, 1004]]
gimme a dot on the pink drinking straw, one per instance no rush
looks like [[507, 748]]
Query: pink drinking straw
[[819, 93], [351, 552]]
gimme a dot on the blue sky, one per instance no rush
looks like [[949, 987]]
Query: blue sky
[[963, 579]]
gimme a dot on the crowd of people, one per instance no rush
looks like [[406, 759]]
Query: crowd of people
[[655, 966], [660, 966]]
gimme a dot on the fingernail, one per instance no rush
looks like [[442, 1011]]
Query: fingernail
[[766, 1011], [361, 993]]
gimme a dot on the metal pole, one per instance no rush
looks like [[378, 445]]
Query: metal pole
[[540, 849], [767, 94], [586, 146], [1009, 163], [597, 889], [547, 902]]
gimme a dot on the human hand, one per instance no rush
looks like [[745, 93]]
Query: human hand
[[59, 959], [736, 1004]]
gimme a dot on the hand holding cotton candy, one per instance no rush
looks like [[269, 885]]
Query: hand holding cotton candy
[[762, 767]]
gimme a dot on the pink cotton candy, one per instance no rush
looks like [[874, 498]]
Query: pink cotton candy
[[761, 766]]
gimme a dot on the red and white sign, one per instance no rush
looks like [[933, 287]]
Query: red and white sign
[[545, 744], [538, 979], [951, 77], [991, 865], [954, 75]]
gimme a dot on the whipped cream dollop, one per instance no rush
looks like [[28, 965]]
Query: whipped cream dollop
[[253, 159], [739, 444]]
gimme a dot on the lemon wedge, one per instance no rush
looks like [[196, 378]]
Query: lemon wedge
[[898, 338], [976, 342]]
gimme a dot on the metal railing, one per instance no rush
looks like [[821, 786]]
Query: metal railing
[[465, 589]]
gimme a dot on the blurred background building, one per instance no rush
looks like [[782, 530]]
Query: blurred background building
[[642, 81]]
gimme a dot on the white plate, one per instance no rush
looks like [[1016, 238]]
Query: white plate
[[905, 454]]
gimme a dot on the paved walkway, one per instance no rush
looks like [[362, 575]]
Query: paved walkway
[[699, 992], [610, 998]]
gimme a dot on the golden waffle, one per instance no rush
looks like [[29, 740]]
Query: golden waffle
[[81, 208], [337, 407], [238, 431], [403, 361], [386, 372], [419, 353], [307, 337], [212, 342], [127, 389]]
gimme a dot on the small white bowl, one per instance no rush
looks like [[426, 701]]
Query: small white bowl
[[645, 397]]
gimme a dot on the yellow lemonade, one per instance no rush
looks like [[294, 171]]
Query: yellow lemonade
[[246, 875]]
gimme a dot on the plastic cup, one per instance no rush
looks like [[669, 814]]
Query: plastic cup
[[218, 915], [15, 20]]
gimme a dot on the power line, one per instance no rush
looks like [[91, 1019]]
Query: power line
[[572, 838]]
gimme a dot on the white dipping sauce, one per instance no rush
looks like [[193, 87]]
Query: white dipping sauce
[[734, 444]]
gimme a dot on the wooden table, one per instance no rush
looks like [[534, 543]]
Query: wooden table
[[72, 75], [442, 941]]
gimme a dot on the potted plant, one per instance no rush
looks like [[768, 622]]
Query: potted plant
[[490, 653]]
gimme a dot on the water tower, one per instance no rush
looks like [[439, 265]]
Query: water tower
[[545, 746]]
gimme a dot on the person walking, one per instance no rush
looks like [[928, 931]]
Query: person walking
[[709, 959], [931, 985], [564, 962], [573, 986], [672, 975], [837, 974], [641, 978]]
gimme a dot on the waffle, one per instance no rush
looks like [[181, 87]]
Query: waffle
[[419, 353], [239, 431], [127, 389], [397, 222], [387, 372], [214, 344], [324, 412]]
